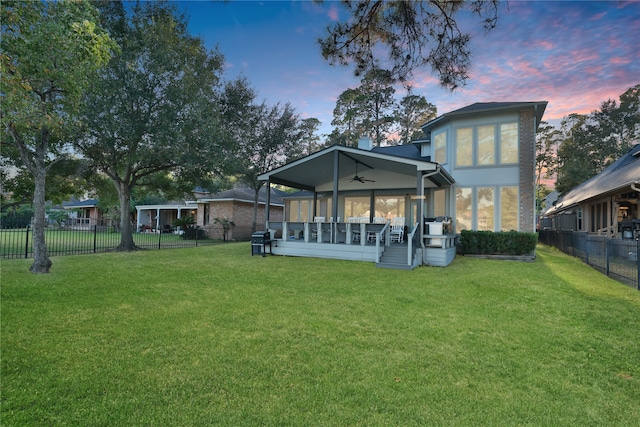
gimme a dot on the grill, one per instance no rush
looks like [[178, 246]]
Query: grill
[[259, 242]]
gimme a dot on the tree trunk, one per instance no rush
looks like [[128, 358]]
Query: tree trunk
[[126, 236], [41, 261]]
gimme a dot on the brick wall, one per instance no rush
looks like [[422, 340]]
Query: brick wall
[[241, 213], [527, 170]]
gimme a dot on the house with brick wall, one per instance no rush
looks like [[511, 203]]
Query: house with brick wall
[[234, 205], [475, 170]]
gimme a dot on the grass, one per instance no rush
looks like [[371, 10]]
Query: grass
[[213, 336]]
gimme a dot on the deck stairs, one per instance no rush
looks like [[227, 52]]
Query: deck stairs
[[395, 257]]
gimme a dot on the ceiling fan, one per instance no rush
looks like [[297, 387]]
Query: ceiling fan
[[360, 178]]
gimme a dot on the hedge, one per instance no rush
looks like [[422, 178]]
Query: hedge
[[501, 243]]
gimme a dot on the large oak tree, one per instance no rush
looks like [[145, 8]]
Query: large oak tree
[[50, 52], [153, 111]]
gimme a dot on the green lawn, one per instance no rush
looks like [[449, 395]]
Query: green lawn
[[213, 336]]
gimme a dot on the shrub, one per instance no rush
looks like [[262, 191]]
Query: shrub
[[501, 243]]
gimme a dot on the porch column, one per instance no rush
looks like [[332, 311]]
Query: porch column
[[158, 220], [267, 210], [138, 219], [315, 204], [420, 193], [336, 176]]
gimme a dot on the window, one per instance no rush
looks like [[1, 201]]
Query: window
[[478, 146], [509, 207], [357, 206], [464, 147], [485, 209], [464, 200], [206, 210], [439, 202], [389, 207], [509, 143], [440, 148], [486, 145], [299, 211]]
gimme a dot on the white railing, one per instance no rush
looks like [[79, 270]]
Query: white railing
[[410, 244], [385, 230]]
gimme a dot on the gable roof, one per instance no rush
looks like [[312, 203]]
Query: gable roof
[[486, 108], [242, 193], [78, 204], [317, 169], [620, 174]]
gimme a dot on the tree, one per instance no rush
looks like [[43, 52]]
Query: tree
[[347, 118], [377, 104], [152, 118], [405, 35], [411, 113], [308, 139], [592, 142], [50, 53], [263, 137], [546, 144], [365, 110]]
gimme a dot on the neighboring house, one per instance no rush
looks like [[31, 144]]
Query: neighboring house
[[154, 218], [474, 171], [235, 205], [606, 204], [82, 213]]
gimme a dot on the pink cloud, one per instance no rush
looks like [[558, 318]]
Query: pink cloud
[[332, 13]]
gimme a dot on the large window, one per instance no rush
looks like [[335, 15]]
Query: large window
[[486, 212], [486, 145], [509, 207], [389, 207], [356, 206], [299, 211], [477, 146], [509, 143], [440, 147], [464, 212], [487, 208], [439, 202], [464, 148]]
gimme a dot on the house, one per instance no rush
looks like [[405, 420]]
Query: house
[[236, 205], [606, 204], [474, 171], [82, 214]]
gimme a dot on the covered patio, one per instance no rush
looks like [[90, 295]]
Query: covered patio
[[362, 204]]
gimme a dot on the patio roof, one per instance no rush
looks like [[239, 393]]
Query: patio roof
[[317, 169], [618, 176]]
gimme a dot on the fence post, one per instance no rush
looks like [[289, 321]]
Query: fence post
[[607, 252], [197, 229], [26, 244], [95, 237], [159, 236], [638, 261]]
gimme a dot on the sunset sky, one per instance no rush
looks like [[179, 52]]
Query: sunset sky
[[573, 54]]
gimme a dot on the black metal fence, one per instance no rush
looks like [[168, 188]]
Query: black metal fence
[[92, 237], [617, 258]]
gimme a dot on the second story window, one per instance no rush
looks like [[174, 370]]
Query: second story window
[[440, 148], [486, 145]]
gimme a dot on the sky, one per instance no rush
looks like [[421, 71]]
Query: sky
[[573, 54]]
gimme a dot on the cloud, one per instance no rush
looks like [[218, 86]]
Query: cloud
[[333, 14]]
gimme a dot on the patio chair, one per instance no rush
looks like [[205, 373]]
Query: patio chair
[[397, 230], [355, 228], [314, 227]]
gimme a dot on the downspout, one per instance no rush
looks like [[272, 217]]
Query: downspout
[[422, 201]]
